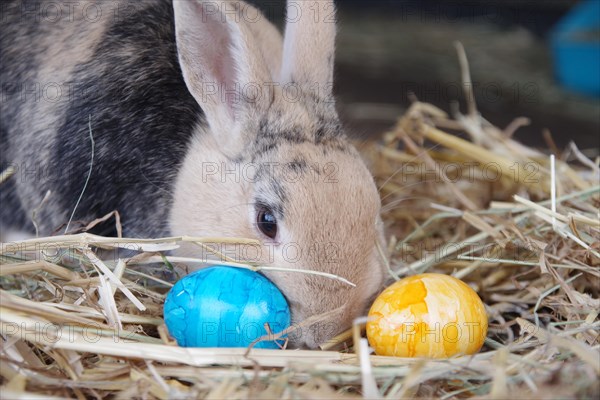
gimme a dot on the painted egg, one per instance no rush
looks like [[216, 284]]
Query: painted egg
[[225, 307], [427, 315]]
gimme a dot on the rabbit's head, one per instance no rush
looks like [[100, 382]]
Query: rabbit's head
[[271, 161]]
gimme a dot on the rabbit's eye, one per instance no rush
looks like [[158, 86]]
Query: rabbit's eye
[[266, 221]]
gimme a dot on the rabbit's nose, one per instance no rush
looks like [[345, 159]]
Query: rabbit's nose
[[314, 335]]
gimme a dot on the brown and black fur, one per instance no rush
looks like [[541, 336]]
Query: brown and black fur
[[128, 88], [137, 83]]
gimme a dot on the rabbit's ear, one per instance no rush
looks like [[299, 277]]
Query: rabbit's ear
[[268, 38], [222, 63], [309, 46]]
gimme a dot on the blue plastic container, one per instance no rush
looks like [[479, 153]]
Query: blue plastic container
[[576, 49], [225, 307]]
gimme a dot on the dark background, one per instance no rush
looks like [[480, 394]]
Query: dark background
[[386, 49]]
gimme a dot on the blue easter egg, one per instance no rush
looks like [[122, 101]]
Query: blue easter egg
[[225, 307]]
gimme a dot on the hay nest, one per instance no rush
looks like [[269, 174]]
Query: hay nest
[[520, 227]]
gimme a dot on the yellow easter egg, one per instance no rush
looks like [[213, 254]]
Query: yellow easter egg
[[427, 315]]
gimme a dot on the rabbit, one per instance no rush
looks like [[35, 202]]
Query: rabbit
[[205, 121]]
